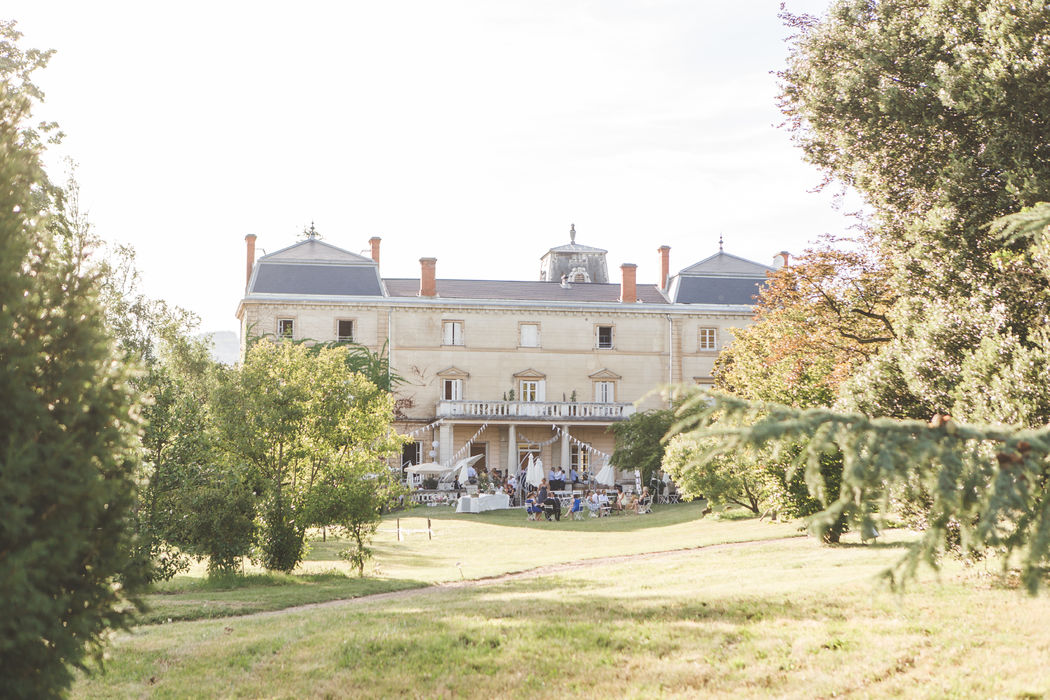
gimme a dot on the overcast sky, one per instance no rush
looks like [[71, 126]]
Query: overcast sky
[[471, 131]]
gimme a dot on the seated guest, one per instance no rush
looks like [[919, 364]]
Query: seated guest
[[644, 501], [544, 497], [603, 500], [628, 503], [577, 507], [532, 507], [616, 499], [593, 504]]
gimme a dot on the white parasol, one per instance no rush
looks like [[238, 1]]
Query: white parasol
[[534, 472], [427, 469], [606, 476], [463, 465]]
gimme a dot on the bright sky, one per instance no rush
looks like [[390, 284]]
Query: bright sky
[[473, 131]]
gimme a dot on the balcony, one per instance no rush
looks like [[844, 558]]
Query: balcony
[[536, 410]]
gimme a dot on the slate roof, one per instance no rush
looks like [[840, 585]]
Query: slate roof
[[506, 290], [722, 263], [716, 290], [326, 279], [313, 250], [574, 248]]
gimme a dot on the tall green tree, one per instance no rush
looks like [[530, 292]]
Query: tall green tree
[[295, 419], [938, 114], [639, 441], [67, 452]]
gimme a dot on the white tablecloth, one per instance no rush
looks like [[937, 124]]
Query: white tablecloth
[[486, 501]]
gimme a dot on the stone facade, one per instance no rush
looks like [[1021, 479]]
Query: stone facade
[[538, 366]]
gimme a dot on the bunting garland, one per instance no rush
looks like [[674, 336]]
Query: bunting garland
[[468, 443], [582, 445], [425, 428], [531, 444]]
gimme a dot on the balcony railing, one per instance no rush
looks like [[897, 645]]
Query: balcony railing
[[535, 410]]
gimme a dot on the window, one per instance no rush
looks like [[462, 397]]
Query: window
[[529, 335], [452, 390], [581, 458], [480, 448], [604, 337], [452, 333], [707, 339], [532, 390], [411, 454], [345, 331], [285, 328], [604, 392]]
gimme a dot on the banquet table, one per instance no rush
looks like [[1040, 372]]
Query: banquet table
[[483, 502]]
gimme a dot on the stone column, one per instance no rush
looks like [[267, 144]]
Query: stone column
[[566, 449], [445, 435], [512, 449]]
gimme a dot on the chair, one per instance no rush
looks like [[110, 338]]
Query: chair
[[577, 509], [645, 505], [533, 509]]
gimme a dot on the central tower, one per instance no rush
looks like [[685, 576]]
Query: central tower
[[574, 263]]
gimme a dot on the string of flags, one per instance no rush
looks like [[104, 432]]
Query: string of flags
[[582, 445], [469, 442], [425, 428], [530, 443]]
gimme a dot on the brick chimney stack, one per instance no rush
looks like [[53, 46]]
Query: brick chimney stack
[[374, 242], [629, 288], [250, 240], [427, 283], [782, 259], [665, 264]]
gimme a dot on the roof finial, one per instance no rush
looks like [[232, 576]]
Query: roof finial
[[311, 233], [572, 233], [719, 243]]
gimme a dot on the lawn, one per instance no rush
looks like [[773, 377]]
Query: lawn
[[462, 546], [784, 618]]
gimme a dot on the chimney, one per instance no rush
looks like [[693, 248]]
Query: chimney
[[781, 259], [374, 241], [427, 284], [665, 264], [629, 290], [250, 240]]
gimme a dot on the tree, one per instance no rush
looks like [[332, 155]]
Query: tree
[[295, 419], [816, 322], [67, 455], [937, 114], [722, 479], [639, 441]]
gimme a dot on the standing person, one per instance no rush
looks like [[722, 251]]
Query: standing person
[[556, 484], [545, 497], [574, 477], [559, 479]]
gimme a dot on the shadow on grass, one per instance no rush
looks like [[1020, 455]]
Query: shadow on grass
[[662, 516], [871, 545], [240, 595]]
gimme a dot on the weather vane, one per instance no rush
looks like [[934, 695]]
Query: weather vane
[[311, 233], [719, 243]]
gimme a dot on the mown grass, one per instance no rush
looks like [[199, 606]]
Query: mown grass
[[463, 546], [789, 618]]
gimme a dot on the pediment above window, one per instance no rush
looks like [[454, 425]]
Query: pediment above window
[[530, 374], [453, 373], [605, 374]]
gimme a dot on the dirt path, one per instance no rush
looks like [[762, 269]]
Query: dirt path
[[519, 575]]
